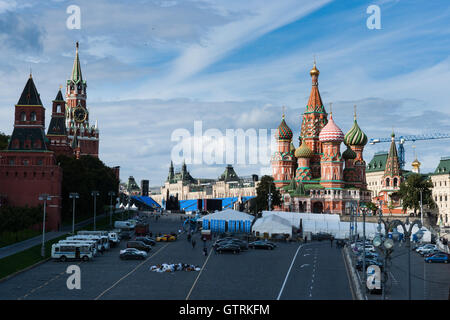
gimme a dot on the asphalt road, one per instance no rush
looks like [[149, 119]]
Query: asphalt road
[[317, 272]]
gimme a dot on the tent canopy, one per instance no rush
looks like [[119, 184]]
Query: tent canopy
[[228, 215], [272, 224]]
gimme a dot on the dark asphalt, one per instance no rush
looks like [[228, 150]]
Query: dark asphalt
[[318, 272]]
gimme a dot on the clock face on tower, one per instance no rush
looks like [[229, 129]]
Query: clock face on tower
[[79, 114]]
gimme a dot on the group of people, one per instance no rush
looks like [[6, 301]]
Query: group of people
[[166, 267]]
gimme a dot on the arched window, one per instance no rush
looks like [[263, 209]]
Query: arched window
[[33, 116], [23, 116], [395, 182], [388, 182]]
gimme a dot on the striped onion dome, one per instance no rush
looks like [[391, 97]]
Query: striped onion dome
[[355, 137], [331, 132], [303, 151], [283, 132], [349, 154]]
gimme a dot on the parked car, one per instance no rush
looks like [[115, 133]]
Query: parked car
[[125, 235], [139, 245], [425, 246], [261, 245], [431, 252], [438, 257], [166, 238], [147, 240], [370, 255], [132, 253], [228, 247], [369, 262], [223, 240], [426, 249], [242, 244]]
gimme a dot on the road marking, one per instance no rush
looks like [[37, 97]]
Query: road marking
[[287, 275], [306, 255], [195, 282], [125, 276], [304, 265]]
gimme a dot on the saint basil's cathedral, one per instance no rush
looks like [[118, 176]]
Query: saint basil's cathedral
[[28, 166], [316, 176]]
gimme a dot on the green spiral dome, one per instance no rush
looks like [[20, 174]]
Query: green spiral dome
[[355, 137], [284, 132]]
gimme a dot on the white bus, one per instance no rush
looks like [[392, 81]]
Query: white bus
[[113, 238], [102, 241], [91, 243], [62, 251]]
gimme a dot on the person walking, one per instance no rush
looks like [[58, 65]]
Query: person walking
[[331, 241], [205, 251], [193, 243], [306, 239]]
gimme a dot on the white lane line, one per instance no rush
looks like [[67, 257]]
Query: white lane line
[[287, 275], [139, 265], [304, 265], [192, 288]]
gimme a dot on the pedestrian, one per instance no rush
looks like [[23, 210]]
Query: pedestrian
[[189, 237], [193, 244], [150, 234], [306, 239], [205, 251], [331, 241]]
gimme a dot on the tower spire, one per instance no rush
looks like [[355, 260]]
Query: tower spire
[[76, 70]]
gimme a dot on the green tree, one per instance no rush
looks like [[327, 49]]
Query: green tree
[[262, 193], [372, 207], [83, 176], [410, 193], [3, 141]]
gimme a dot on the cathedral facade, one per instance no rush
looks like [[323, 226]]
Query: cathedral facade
[[316, 176]]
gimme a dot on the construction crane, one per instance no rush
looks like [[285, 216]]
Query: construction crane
[[402, 139]]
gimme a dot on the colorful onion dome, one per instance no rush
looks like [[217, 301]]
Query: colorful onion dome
[[303, 151], [355, 137], [349, 154], [331, 132], [283, 132]]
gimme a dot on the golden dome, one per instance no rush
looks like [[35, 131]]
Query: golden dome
[[416, 163], [314, 71]]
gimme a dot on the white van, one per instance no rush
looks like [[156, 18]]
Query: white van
[[124, 225], [102, 234], [102, 241], [63, 251]]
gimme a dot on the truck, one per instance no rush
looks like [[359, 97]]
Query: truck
[[141, 229]]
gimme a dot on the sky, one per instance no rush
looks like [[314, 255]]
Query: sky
[[154, 67]]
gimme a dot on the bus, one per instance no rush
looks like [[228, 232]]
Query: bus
[[113, 237], [64, 251], [102, 241], [91, 243]]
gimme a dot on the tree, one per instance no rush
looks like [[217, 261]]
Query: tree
[[410, 193], [262, 193], [83, 176], [3, 141], [372, 207]]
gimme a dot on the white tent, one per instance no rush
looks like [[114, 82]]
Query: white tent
[[272, 224], [133, 207], [228, 215]]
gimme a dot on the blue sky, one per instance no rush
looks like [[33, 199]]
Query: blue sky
[[155, 66]]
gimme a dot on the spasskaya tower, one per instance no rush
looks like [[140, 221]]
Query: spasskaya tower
[[77, 113]]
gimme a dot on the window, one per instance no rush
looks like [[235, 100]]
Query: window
[[58, 108], [395, 182], [388, 182], [25, 162], [23, 116], [33, 116]]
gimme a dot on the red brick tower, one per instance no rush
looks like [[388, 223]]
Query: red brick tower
[[77, 114], [27, 167], [57, 132], [314, 120]]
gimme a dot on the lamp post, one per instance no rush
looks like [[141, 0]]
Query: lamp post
[[44, 197], [73, 195], [95, 194], [364, 211], [110, 194], [269, 197], [421, 208]]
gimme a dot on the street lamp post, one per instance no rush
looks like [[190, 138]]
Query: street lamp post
[[44, 197], [364, 211], [269, 197], [95, 194], [110, 194], [421, 208], [73, 195]]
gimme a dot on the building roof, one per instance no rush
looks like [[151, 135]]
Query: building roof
[[349, 153], [315, 103], [378, 162], [76, 70], [443, 166], [30, 95], [59, 96], [355, 136], [392, 163], [35, 136], [229, 174], [304, 151]]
